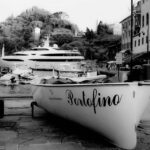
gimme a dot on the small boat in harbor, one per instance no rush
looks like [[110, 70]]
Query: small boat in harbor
[[18, 76], [111, 109], [16, 83], [9, 79]]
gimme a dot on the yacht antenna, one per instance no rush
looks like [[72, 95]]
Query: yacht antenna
[[3, 51]]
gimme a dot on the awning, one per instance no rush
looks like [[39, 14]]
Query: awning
[[135, 57]]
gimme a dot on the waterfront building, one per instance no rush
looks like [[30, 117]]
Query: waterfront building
[[126, 33], [141, 31]]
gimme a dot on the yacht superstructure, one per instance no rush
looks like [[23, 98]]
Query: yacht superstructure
[[42, 57]]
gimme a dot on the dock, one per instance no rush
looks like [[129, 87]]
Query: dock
[[19, 130]]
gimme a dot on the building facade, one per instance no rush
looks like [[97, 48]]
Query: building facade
[[126, 34], [141, 29]]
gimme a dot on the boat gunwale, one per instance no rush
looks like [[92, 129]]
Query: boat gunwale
[[144, 83], [82, 85]]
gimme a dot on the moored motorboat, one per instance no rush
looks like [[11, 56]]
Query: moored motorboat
[[9, 79], [18, 76], [70, 77], [112, 109], [14, 84]]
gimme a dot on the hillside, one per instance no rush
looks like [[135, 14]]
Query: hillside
[[16, 33]]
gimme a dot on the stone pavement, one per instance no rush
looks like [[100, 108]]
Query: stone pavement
[[48, 132]]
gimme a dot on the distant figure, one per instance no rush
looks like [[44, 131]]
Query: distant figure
[[107, 66], [127, 66], [13, 80]]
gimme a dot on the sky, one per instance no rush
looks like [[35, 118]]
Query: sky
[[83, 13]]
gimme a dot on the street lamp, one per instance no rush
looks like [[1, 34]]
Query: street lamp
[[148, 40], [131, 43]]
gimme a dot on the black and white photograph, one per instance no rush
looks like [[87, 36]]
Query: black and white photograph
[[75, 75]]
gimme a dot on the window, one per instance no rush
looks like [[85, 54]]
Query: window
[[142, 21], [56, 60], [19, 54], [124, 46], [12, 59], [41, 49], [126, 25], [123, 26], [146, 39], [142, 40], [135, 43], [123, 36], [129, 33], [147, 18], [139, 42], [62, 54], [129, 23], [126, 34]]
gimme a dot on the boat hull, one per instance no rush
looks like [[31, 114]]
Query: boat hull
[[113, 110]]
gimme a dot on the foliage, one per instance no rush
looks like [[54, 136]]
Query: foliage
[[89, 34], [102, 44], [103, 29], [75, 44], [60, 39], [17, 32]]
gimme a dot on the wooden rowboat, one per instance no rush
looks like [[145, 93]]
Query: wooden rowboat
[[111, 109]]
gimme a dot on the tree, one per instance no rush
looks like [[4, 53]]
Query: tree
[[73, 45], [89, 34], [103, 29], [60, 39], [20, 29], [98, 44]]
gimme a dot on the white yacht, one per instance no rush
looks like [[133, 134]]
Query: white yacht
[[43, 58]]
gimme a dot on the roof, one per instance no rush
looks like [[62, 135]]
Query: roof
[[125, 19]]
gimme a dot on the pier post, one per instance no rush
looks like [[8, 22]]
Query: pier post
[[1, 108], [32, 108]]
